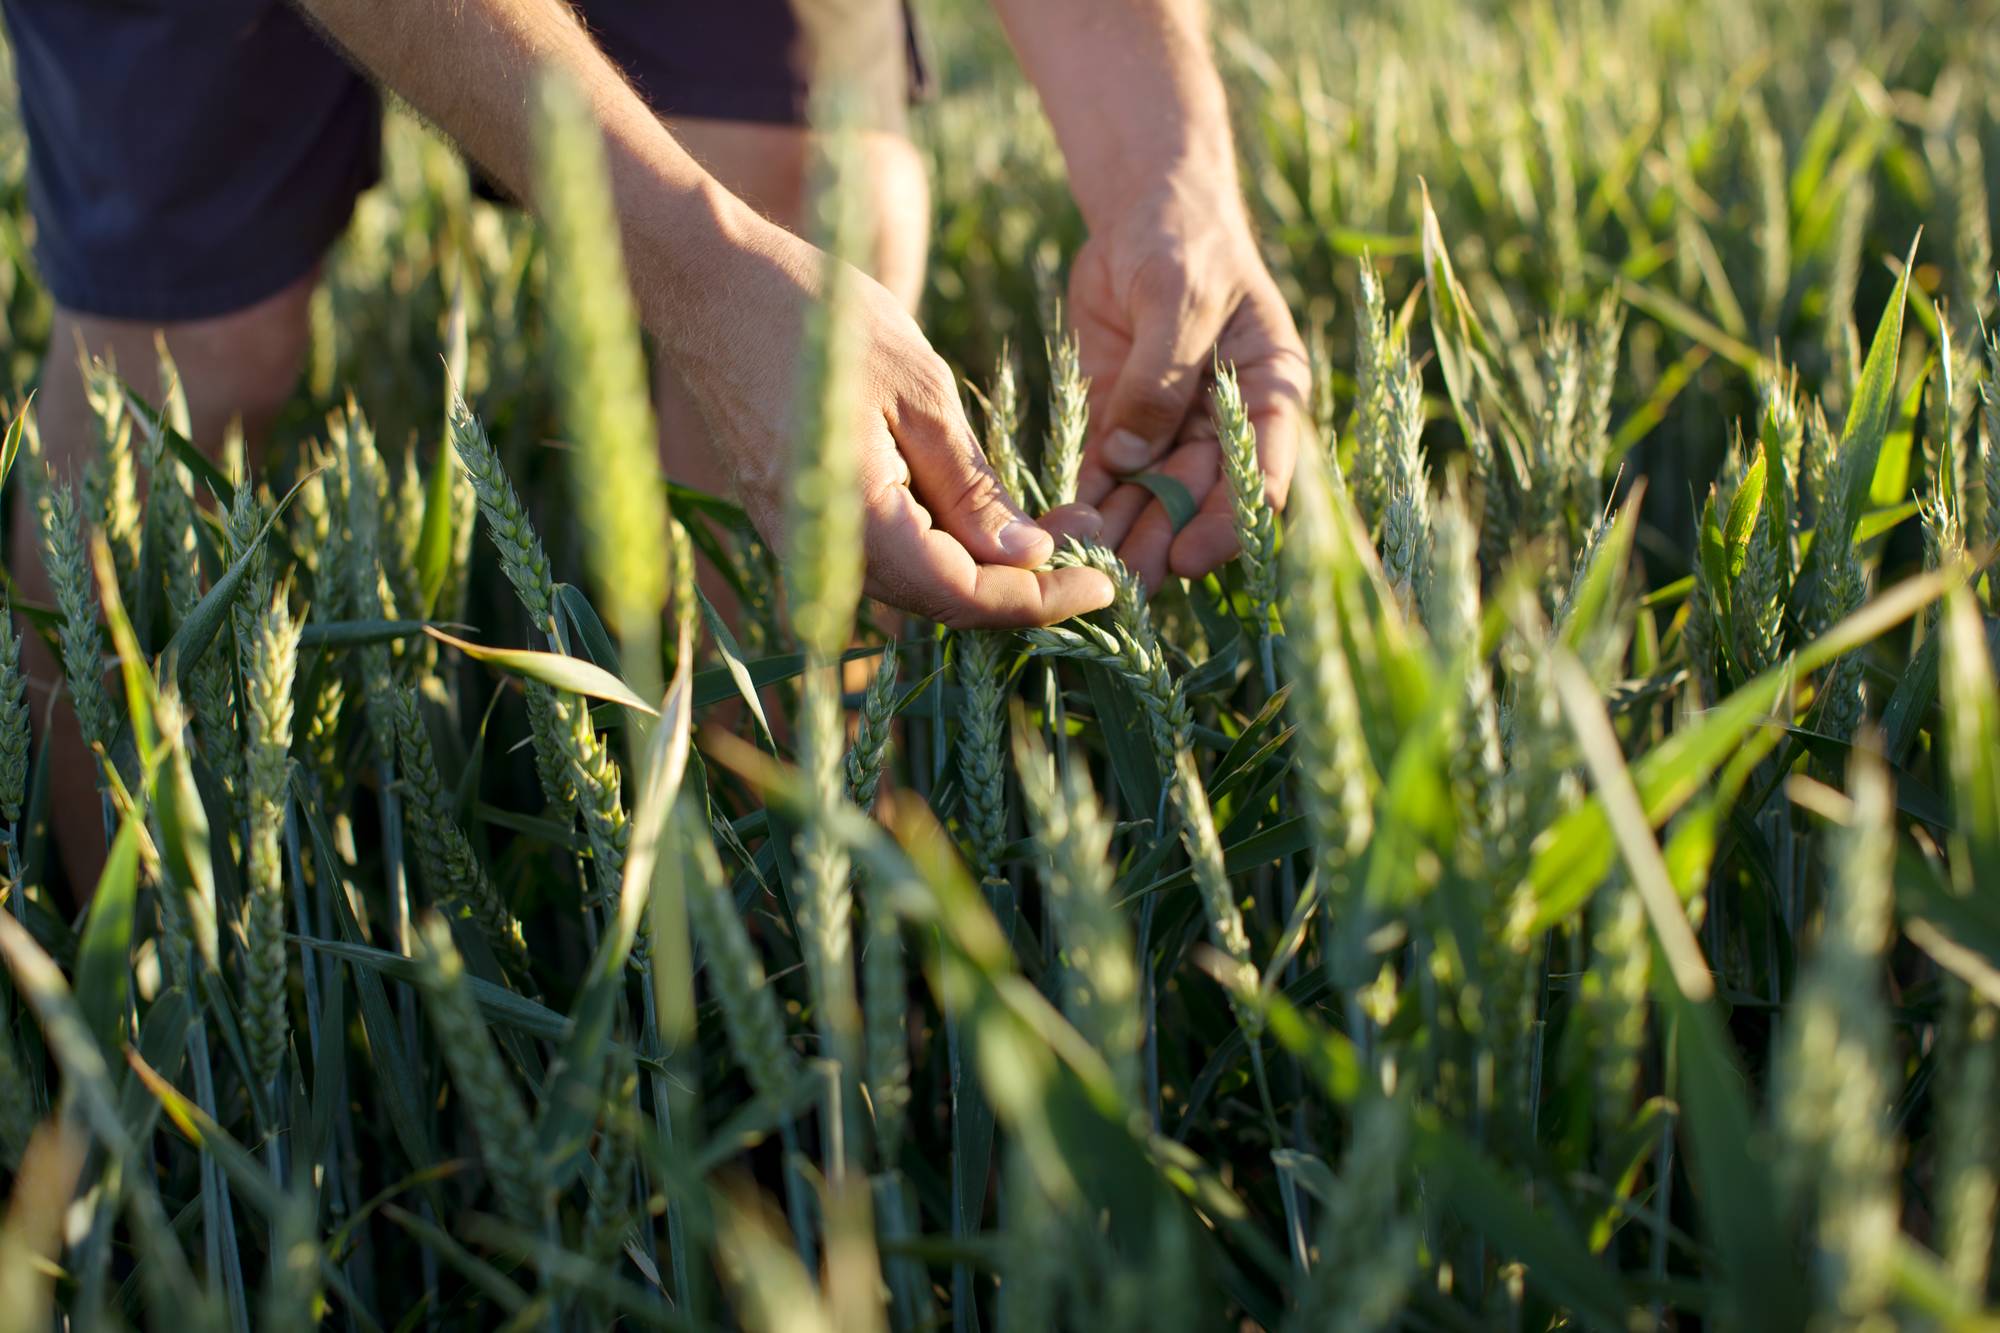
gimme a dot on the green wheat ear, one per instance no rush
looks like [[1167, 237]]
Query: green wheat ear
[[1333, 758], [452, 869], [507, 523], [78, 633], [1834, 1090], [491, 1100], [601, 374], [1069, 420], [869, 751], [1375, 360], [1002, 401], [110, 494], [1249, 506], [14, 729], [1099, 986], [362, 480], [1614, 998], [1984, 476], [269, 669], [18, 1113], [885, 1023], [1324, 404], [557, 743], [980, 660]]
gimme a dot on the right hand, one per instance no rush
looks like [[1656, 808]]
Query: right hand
[[943, 538]]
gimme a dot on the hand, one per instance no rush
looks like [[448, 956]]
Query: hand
[[943, 538], [1175, 283]]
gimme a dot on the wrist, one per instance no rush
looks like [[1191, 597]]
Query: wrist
[[678, 223], [1137, 103], [1185, 156]]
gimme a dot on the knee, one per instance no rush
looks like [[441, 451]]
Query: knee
[[237, 367], [244, 366]]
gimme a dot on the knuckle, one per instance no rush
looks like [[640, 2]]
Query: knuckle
[[1161, 280], [1151, 406], [979, 495]]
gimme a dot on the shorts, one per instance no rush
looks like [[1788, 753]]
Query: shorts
[[188, 158]]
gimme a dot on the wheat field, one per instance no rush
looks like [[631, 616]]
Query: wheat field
[[1550, 880]]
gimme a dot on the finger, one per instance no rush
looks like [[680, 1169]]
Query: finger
[[1093, 480], [1120, 510], [1278, 435], [1122, 506], [1173, 329], [1209, 540], [1205, 545], [917, 567], [1146, 547], [950, 474], [1276, 381], [1079, 522]]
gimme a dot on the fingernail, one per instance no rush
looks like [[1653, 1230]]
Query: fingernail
[[1124, 451], [1083, 522], [1022, 540]]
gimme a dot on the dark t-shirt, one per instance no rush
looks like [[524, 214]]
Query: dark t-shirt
[[187, 158]]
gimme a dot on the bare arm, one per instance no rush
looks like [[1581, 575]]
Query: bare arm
[[1132, 93], [1171, 274], [482, 94], [724, 291]]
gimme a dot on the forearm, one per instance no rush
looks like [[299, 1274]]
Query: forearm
[[472, 67], [1132, 91]]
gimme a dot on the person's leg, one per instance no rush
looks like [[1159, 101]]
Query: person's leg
[[188, 165], [236, 367]]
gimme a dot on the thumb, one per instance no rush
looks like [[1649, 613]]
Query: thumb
[[951, 477], [1157, 385]]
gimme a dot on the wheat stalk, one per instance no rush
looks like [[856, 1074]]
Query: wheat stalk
[[457, 879]]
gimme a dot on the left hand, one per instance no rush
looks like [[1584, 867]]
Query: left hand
[[1175, 283]]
